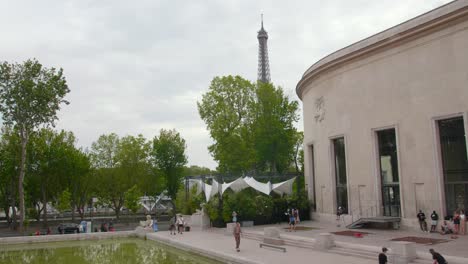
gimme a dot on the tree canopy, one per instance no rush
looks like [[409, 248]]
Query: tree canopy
[[252, 125], [169, 158], [30, 97]]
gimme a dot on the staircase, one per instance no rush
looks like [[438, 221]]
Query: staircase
[[370, 215], [376, 219], [288, 240]]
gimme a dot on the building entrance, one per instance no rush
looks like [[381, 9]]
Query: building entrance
[[390, 180], [454, 163]]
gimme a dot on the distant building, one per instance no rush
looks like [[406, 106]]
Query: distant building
[[385, 121]]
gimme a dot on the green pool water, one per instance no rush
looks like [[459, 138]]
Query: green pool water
[[115, 251]]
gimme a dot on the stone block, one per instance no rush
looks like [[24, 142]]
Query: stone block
[[325, 241], [402, 252], [273, 241], [247, 223], [271, 232]]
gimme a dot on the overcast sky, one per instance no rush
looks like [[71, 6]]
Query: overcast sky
[[138, 66]]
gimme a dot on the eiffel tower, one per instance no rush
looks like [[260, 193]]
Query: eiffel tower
[[263, 64]]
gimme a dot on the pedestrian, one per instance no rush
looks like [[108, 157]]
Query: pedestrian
[[180, 224], [438, 259], [172, 227], [292, 220], [296, 216], [237, 234], [339, 212], [462, 222], [434, 219], [456, 221], [234, 216], [383, 256], [445, 228], [422, 221]]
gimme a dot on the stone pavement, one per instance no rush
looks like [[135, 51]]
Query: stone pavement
[[223, 247], [378, 237]]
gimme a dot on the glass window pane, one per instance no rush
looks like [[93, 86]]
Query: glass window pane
[[454, 162], [388, 160], [388, 155], [340, 174]]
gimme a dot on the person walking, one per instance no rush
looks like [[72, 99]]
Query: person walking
[[172, 225], [438, 259], [422, 221], [296, 216], [434, 219], [180, 224], [234, 216], [292, 221], [237, 234], [383, 256], [462, 222], [456, 222]]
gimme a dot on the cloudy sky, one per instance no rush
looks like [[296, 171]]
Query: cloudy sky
[[138, 66]]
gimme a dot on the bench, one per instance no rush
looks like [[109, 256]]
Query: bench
[[272, 246]]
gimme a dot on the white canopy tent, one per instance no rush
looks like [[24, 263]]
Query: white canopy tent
[[242, 183]]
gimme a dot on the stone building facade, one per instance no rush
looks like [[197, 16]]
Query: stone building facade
[[385, 121]]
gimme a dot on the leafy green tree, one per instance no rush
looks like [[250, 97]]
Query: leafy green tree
[[50, 166], [110, 186], [30, 97], [169, 157], [252, 125], [132, 199], [271, 125], [133, 157], [195, 170], [64, 201], [78, 178], [10, 155], [104, 151], [120, 164], [224, 108], [188, 204]]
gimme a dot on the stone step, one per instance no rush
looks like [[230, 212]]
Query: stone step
[[288, 241], [354, 252]]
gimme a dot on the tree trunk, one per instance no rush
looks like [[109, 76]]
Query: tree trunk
[[24, 142]]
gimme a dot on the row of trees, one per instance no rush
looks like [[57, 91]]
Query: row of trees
[[252, 126], [118, 171], [39, 164]]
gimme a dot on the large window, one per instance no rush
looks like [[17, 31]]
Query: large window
[[455, 163], [388, 160], [340, 174]]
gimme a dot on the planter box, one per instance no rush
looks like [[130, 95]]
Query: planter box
[[247, 223]]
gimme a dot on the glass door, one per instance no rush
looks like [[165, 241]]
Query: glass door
[[388, 160]]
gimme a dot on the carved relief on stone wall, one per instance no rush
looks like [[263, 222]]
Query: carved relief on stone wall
[[319, 109]]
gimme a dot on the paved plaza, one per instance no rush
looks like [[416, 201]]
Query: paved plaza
[[224, 248], [215, 242], [380, 237]]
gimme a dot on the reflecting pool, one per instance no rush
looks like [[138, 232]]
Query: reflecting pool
[[115, 251]]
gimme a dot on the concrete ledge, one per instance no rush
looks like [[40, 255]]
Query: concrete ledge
[[218, 255], [273, 241], [65, 237]]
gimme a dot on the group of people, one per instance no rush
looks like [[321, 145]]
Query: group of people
[[177, 222], [458, 222], [293, 217], [437, 257]]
